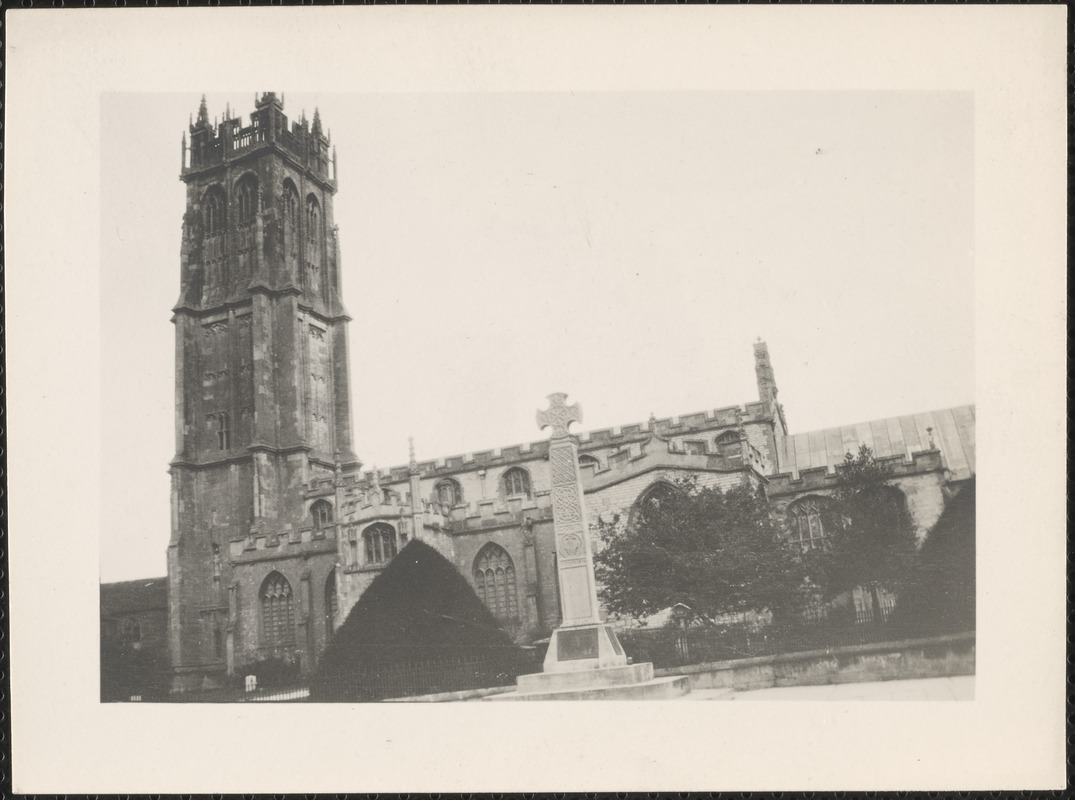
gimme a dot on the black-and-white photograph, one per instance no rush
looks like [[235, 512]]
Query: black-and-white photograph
[[619, 360], [764, 302]]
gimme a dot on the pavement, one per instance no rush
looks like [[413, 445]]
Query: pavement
[[954, 688]]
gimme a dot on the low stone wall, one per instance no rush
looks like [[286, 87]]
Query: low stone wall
[[939, 656]]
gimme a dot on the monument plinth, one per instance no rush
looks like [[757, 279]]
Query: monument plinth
[[585, 659]]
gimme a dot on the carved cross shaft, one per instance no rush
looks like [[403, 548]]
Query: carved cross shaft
[[559, 416]]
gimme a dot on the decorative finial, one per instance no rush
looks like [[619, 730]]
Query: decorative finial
[[932, 446], [203, 112], [559, 416], [375, 479], [227, 111], [317, 121], [413, 463]]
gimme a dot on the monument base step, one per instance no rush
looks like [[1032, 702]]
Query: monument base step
[[586, 678], [668, 688]]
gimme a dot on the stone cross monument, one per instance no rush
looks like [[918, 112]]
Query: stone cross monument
[[585, 660], [582, 641]]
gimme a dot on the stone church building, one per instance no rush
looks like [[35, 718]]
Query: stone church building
[[276, 529]]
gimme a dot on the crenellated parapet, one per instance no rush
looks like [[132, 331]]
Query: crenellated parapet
[[304, 144], [689, 434], [824, 479]]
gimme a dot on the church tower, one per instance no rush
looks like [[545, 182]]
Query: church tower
[[262, 391]]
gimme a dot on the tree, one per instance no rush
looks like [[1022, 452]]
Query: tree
[[869, 538], [938, 595], [714, 551]]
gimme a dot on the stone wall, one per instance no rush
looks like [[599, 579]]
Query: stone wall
[[939, 656]]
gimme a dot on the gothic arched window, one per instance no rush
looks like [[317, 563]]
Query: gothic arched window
[[805, 525], [321, 513], [651, 500], [657, 494], [221, 424], [517, 482], [246, 198], [277, 611], [213, 212], [380, 540], [449, 493], [291, 204], [494, 578], [291, 223], [589, 461], [313, 219]]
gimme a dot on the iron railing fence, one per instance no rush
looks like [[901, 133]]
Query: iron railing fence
[[401, 679], [412, 679], [698, 644]]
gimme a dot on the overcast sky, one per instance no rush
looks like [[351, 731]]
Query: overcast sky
[[625, 248]]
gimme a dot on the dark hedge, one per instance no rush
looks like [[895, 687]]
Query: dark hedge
[[939, 596], [418, 611]]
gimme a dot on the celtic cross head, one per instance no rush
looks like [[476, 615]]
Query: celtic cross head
[[559, 416]]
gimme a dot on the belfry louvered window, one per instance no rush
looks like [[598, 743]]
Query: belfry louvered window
[[246, 197], [213, 213]]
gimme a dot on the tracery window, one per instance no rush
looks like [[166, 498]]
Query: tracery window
[[214, 217], [806, 528], [380, 541], [657, 494], [494, 578], [651, 500], [517, 482], [277, 611], [321, 513]]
